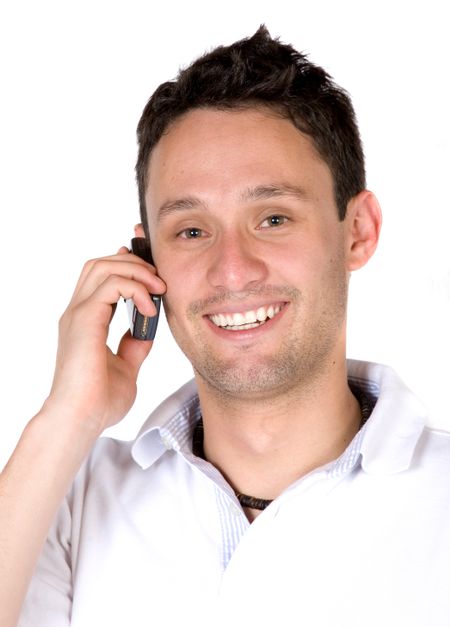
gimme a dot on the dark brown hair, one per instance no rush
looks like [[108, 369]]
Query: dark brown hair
[[260, 71]]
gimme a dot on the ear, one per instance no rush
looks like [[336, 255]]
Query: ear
[[139, 230], [363, 229]]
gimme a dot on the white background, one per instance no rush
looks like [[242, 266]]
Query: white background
[[75, 77]]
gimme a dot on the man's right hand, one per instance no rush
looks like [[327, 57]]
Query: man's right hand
[[91, 383], [92, 389]]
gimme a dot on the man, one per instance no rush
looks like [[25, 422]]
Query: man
[[284, 484]]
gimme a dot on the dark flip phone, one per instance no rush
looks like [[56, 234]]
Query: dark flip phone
[[143, 327]]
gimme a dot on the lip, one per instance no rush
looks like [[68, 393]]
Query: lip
[[247, 334]]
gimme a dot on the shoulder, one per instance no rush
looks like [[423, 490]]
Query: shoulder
[[109, 469]]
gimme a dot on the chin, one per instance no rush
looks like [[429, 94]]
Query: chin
[[260, 379]]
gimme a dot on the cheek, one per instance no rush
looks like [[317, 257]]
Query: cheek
[[168, 270], [300, 265], [183, 286], [318, 269]]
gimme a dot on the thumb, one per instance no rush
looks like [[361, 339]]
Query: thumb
[[134, 351]]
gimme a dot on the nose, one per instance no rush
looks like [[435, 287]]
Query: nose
[[237, 263]]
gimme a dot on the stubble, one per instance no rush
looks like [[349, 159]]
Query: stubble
[[303, 353]]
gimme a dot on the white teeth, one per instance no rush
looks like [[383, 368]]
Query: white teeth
[[245, 320], [237, 319], [219, 320], [250, 316], [244, 327], [261, 314]]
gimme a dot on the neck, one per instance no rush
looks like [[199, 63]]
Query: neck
[[263, 444]]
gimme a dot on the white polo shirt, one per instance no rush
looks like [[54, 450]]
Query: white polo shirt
[[152, 535]]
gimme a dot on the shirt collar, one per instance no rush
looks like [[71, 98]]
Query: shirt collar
[[384, 445], [390, 436], [169, 426]]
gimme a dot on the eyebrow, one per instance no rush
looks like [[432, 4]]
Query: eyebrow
[[266, 192], [260, 192], [172, 206]]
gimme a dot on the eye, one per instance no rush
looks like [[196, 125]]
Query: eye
[[191, 233], [275, 220]]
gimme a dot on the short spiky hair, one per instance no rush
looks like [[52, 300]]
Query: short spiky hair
[[261, 71]]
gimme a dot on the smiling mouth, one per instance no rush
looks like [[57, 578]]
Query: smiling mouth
[[242, 321]]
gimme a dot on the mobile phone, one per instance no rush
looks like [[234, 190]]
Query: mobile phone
[[143, 327]]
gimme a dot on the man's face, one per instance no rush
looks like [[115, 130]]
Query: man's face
[[246, 236]]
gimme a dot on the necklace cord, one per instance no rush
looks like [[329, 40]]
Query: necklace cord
[[254, 502]]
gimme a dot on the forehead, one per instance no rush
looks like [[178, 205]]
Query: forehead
[[218, 154]]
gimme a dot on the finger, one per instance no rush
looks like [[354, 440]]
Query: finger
[[115, 287], [103, 268], [122, 256], [134, 351], [93, 315]]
